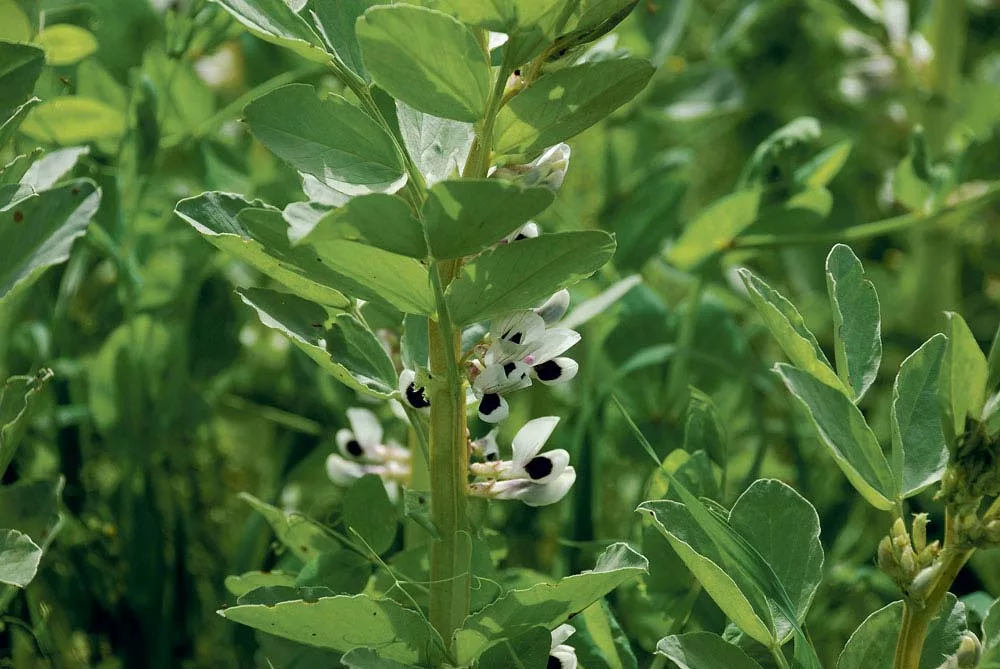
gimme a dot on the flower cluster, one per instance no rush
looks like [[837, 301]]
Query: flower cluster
[[362, 451], [531, 476], [523, 346]]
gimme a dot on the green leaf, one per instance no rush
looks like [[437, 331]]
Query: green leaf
[[919, 450], [841, 427], [8, 127], [276, 22], [567, 102], [523, 273], [335, 23], [377, 219], [529, 649], [343, 572], [32, 507], [438, 147], [366, 658], [990, 658], [302, 536], [714, 229], [65, 44], [15, 26], [464, 217], [739, 597], [368, 511], [789, 329], [546, 604], [19, 558], [257, 235], [963, 376], [703, 430], [20, 66], [379, 276], [822, 168], [427, 59], [872, 645], [599, 640], [856, 320], [347, 350], [703, 650], [251, 580], [329, 139], [50, 168], [784, 528], [993, 363], [344, 623], [18, 397], [74, 120], [38, 232]]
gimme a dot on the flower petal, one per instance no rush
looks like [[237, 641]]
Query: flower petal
[[565, 656], [561, 633], [502, 379], [486, 447], [548, 493], [348, 444], [529, 439], [556, 341], [367, 429], [555, 307], [411, 394], [493, 408], [342, 471], [556, 371]]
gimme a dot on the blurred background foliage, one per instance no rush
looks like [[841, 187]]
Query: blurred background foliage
[[772, 129]]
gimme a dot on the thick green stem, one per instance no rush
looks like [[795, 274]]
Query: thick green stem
[[916, 619], [449, 464]]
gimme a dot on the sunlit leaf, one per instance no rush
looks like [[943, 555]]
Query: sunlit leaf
[[427, 59], [857, 322], [919, 450]]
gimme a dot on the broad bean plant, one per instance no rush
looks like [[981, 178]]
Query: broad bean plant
[[438, 420], [425, 164]]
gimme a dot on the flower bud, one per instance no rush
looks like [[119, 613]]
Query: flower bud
[[908, 562], [920, 532], [886, 556], [969, 650], [899, 531], [992, 531], [922, 582]]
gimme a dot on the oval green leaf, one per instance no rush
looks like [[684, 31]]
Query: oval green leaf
[[427, 59], [567, 102], [919, 450], [841, 427], [329, 139], [857, 322], [523, 273]]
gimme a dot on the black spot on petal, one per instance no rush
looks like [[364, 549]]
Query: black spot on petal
[[538, 467], [489, 403], [520, 236], [516, 338], [491, 457], [354, 448], [416, 397], [548, 371], [553, 663], [508, 368]]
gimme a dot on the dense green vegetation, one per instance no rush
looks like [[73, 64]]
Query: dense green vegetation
[[264, 262]]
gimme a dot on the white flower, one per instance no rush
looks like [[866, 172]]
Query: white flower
[[527, 231], [521, 348], [363, 452], [486, 448], [410, 393], [533, 477], [548, 169], [562, 656]]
